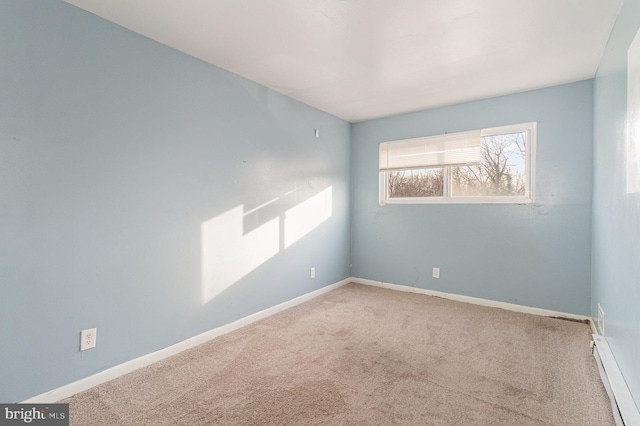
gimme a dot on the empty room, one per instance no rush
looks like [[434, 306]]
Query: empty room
[[295, 212]]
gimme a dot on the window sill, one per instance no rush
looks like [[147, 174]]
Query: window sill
[[459, 200]]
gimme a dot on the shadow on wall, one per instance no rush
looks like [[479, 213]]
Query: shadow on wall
[[236, 242]]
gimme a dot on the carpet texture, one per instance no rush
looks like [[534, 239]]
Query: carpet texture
[[362, 355]]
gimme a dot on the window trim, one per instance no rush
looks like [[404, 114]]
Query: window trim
[[530, 130]]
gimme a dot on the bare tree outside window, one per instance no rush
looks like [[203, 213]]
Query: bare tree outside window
[[416, 183], [501, 171]]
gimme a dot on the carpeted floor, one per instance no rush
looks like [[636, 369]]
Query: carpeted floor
[[363, 355]]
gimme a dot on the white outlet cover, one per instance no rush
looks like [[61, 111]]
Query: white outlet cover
[[313, 272], [436, 272], [88, 339]]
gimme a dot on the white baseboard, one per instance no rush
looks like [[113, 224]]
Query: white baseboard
[[137, 363], [475, 300], [119, 370], [625, 411]]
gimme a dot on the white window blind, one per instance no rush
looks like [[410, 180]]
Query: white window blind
[[455, 149]]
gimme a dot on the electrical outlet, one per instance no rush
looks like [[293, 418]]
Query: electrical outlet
[[600, 320], [436, 272], [313, 272], [88, 339]]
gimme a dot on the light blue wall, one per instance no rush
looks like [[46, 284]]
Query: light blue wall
[[114, 150], [535, 255], [616, 214]]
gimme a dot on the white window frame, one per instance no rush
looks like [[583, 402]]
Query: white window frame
[[529, 129]]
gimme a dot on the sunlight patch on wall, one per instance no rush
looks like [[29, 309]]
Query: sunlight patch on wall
[[228, 254], [230, 250], [633, 116], [306, 216]]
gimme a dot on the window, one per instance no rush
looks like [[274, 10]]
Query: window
[[482, 166]]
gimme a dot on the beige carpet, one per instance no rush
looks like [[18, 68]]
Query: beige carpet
[[362, 355]]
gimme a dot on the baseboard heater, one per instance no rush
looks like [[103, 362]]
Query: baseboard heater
[[624, 408]]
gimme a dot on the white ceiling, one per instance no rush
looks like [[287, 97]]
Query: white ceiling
[[364, 59]]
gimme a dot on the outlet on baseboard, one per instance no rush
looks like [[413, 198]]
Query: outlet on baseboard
[[88, 339]]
